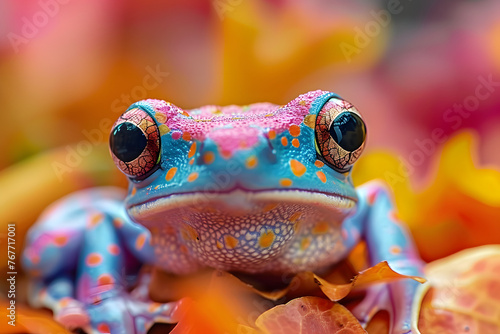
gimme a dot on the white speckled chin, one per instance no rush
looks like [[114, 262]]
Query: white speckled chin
[[267, 231]]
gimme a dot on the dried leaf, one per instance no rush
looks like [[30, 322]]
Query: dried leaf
[[465, 293], [381, 272], [309, 315]]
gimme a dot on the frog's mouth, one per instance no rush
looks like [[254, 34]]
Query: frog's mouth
[[256, 231], [240, 202]]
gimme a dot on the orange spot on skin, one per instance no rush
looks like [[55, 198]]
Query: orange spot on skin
[[302, 102], [192, 150], [168, 230], [184, 249], [188, 233], [187, 137], [193, 176], [286, 182], [191, 161], [321, 176], [320, 228], [272, 134], [208, 158], [134, 190], [393, 215], [298, 169], [163, 129], [219, 245], [93, 259], [310, 121], [103, 328], [35, 259], [295, 216], [251, 162], [319, 163], [269, 207], [295, 142], [60, 240], [284, 141], [161, 118], [171, 173], [117, 222], [266, 239], [294, 130], [305, 243], [154, 307], [63, 302], [95, 219], [395, 250], [230, 241], [113, 249], [140, 241], [105, 279]]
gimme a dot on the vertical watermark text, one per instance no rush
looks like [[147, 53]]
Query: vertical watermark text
[[11, 274]]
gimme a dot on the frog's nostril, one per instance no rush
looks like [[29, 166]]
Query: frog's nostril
[[270, 152]]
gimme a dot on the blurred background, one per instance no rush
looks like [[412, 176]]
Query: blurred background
[[67, 66], [425, 75], [421, 73]]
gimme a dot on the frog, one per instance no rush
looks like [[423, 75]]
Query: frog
[[258, 189]]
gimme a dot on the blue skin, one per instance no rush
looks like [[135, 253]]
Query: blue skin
[[121, 222]]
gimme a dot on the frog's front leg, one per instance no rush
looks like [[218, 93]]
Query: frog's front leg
[[82, 255], [107, 249], [387, 240]]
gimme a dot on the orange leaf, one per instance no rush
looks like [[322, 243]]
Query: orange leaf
[[381, 272], [308, 315], [464, 293]]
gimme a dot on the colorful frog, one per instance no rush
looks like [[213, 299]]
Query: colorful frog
[[255, 189]]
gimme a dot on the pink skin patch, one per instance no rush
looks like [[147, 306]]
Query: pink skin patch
[[245, 138], [229, 121]]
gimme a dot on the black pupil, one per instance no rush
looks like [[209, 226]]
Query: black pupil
[[348, 130], [127, 141]]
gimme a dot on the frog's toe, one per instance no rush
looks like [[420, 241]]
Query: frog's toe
[[396, 298], [160, 313], [124, 314], [71, 313]]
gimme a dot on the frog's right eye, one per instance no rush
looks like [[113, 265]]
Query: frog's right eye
[[340, 134], [134, 143]]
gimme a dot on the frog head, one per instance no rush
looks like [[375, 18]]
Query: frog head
[[221, 177]]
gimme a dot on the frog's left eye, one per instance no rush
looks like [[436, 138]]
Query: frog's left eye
[[340, 134], [134, 143]]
